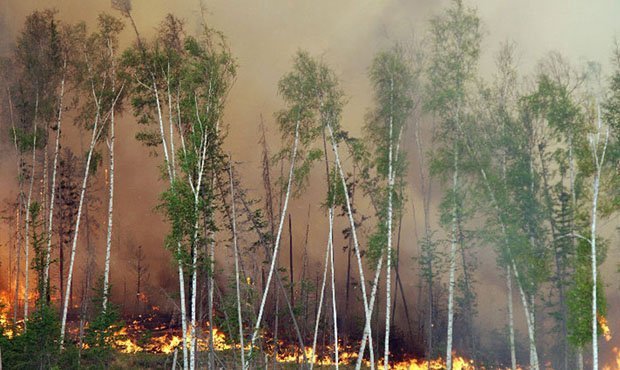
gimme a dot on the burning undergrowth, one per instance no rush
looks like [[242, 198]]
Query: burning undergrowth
[[160, 334]]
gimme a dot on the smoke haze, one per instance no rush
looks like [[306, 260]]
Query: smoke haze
[[264, 35]]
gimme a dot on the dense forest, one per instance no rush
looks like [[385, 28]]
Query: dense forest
[[389, 243]]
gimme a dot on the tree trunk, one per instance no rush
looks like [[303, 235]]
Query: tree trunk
[[388, 270], [108, 249], [275, 329], [595, 192], [91, 148], [528, 320], [353, 230], [28, 203], [276, 244], [511, 323], [290, 259], [236, 251], [19, 213], [367, 325], [334, 308], [50, 221], [320, 305], [453, 242]]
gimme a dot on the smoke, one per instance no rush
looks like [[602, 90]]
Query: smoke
[[263, 36]]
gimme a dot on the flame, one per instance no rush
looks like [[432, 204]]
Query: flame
[[167, 338], [142, 297], [616, 360], [165, 343], [602, 321], [125, 344], [4, 311], [348, 355]]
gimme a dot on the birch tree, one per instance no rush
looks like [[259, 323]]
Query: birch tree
[[455, 47], [67, 55], [111, 27], [33, 94], [184, 81], [96, 110], [393, 82], [298, 125]]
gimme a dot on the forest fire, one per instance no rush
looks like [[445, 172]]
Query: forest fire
[[127, 342], [615, 365], [602, 321], [356, 206], [4, 311], [167, 339], [153, 333]]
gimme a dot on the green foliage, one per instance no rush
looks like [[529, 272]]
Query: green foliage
[[27, 139], [392, 80], [430, 259], [455, 48], [101, 78], [579, 299], [314, 100], [611, 116], [335, 194], [102, 331], [301, 173], [183, 80], [35, 77], [38, 346], [39, 240], [177, 203]]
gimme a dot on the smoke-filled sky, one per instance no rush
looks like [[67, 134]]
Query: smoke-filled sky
[[263, 36]]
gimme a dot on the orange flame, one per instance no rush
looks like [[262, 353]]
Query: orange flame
[[616, 360], [4, 311], [602, 321]]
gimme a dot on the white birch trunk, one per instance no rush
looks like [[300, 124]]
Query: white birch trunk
[[108, 249], [181, 272], [196, 190], [192, 348], [108, 244], [452, 278], [28, 202], [237, 282], [276, 245], [353, 231], [210, 302], [511, 320], [388, 285], [183, 310], [76, 233], [367, 324], [48, 251], [27, 236], [334, 311], [533, 351], [322, 296], [598, 161], [531, 333]]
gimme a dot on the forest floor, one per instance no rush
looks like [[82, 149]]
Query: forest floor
[[126, 361]]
